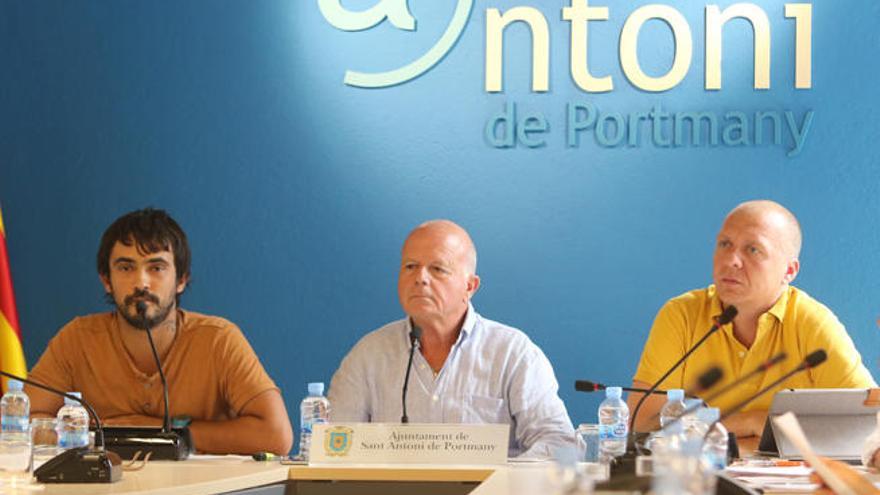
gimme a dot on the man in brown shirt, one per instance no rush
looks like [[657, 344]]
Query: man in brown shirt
[[214, 377]]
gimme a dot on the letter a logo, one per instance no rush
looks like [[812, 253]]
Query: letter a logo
[[397, 12]]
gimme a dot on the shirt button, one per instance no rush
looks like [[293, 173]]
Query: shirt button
[[742, 354], [436, 398], [147, 407], [422, 366]]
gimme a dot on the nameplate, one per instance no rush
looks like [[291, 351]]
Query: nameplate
[[384, 443]]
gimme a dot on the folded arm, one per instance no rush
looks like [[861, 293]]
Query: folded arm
[[262, 426]]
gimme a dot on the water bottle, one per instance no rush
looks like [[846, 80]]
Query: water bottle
[[613, 425], [73, 424], [314, 409], [15, 411], [694, 426], [677, 468], [715, 446], [674, 406]]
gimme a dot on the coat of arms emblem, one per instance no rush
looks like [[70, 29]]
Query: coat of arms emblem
[[337, 440]]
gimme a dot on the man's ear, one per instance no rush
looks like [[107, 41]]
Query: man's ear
[[473, 285], [105, 281], [181, 284], [791, 271]]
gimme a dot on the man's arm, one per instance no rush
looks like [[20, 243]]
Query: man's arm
[[743, 424], [262, 426], [649, 414], [541, 420], [746, 424]]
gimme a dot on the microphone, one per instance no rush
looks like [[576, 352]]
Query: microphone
[[763, 367], [165, 444], [414, 335], [812, 360], [724, 318], [141, 308], [705, 381], [80, 464]]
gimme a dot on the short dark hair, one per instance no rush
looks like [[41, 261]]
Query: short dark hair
[[152, 230]]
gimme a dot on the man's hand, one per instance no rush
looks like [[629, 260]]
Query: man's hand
[[746, 424]]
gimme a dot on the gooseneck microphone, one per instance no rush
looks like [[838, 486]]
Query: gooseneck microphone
[[704, 382], [80, 464], [141, 308], [763, 367], [724, 318], [812, 360], [414, 335], [165, 443]]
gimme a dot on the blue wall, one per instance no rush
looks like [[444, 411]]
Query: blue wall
[[297, 190]]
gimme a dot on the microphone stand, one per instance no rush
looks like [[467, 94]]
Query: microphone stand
[[414, 336], [80, 464]]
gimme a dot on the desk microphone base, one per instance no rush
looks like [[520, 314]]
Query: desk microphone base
[[81, 465], [175, 445]]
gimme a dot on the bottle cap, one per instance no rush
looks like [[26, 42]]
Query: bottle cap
[[14, 385], [674, 395], [613, 392], [316, 388], [71, 402]]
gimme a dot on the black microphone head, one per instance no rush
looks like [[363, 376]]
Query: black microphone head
[[815, 358], [727, 315], [587, 386], [415, 333], [782, 356], [141, 308], [708, 379]]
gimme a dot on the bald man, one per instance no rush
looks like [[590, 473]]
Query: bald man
[[468, 369], [755, 261]]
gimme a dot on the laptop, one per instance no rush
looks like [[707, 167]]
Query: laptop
[[835, 421]]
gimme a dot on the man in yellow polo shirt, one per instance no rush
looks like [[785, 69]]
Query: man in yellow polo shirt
[[756, 258]]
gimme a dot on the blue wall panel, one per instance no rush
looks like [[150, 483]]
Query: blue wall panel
[[297, 190]]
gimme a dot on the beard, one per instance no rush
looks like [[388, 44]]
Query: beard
[[144, 321]]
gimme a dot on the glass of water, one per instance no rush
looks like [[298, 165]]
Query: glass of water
[[588, 438], [15, 457], [44, 436]]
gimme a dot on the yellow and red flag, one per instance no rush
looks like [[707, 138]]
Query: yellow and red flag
[[11, 351]]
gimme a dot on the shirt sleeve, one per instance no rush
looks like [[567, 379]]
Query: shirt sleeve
[[541, 422], [242, 377], [843, 368], [666, 343], [349, 388], [53, 370]]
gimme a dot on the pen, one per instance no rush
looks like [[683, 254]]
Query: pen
[[265, 456]]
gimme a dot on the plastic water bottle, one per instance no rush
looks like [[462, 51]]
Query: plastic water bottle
[[674, 406], [677, 468], [314, 409], [613, 425], [73, 424], [694, 426], [715, 445], [15, 441], [15, 410]]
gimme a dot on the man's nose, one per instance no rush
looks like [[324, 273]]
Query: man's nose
[[143, 279]]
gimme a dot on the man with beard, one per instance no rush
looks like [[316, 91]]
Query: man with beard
[[215, 380]]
